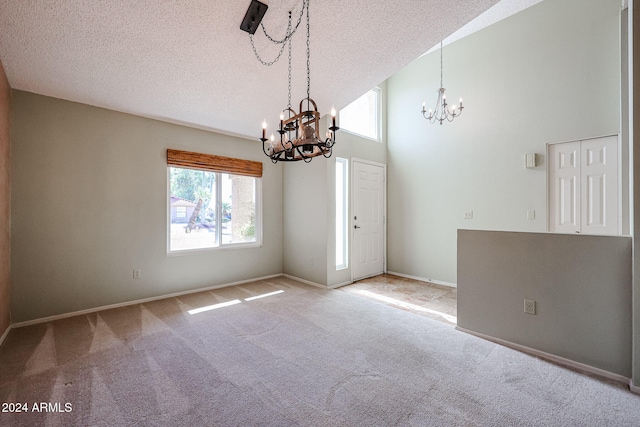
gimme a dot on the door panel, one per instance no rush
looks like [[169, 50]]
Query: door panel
[[600, 188], [368, 220], [564, 189]]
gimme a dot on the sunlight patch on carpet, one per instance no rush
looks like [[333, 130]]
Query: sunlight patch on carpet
[[396, 302], [232, 302], [264, 295], [214, 306]]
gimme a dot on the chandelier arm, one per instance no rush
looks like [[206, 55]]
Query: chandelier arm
[[302, 155], [264, 149]]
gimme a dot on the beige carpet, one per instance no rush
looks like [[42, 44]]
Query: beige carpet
[[434, 301], [301, 356]]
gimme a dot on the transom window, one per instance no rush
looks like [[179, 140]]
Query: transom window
[[362, 116], [209, 209]]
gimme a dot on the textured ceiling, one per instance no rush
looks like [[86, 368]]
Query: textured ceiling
[[187, 61]]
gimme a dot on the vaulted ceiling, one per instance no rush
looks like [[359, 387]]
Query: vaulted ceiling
[[188, 62]]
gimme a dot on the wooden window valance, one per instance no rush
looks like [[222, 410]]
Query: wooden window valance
[[209, 162]]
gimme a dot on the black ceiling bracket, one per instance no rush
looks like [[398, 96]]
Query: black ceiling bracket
[[253, 17]]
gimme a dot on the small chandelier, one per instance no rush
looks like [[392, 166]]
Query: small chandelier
[[442, 112], [298, 131]]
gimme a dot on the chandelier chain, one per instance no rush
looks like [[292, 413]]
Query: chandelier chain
[[289, 34], [287, 38], [289, 104], [267, 63], [308, 53], [441, 85]]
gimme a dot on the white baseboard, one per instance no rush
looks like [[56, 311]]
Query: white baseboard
[[338, 285], [307, 282], [139, 301], [633, 387], [552, 357], [422, 279], [5, 334]]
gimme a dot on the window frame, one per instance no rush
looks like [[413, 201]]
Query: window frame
[[344, 214], [218, 214], [378, 118]]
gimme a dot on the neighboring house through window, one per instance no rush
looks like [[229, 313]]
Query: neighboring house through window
[[213, 201]]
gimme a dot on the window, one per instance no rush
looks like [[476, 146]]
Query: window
[[362, 116], [341, 213], [212, 201]]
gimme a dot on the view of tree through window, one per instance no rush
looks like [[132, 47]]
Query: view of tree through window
[[210, 209]]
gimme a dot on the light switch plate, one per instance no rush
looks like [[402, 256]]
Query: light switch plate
[[530, 160]]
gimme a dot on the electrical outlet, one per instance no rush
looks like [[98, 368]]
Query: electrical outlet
[[529, 306], [531, 214], [467, 215], [136, 274]]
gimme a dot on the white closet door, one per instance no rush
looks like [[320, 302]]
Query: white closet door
[[600, 186], [584, 186], [564, 187]]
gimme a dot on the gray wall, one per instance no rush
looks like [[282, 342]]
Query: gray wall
[[548, 74], [581, 285], [5, 203], [305, 220], [89, 205]]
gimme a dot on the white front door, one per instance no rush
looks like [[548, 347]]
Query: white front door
[[368, 220], [583, 186]]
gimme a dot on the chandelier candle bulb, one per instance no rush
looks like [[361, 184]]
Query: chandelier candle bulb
[[264, 129]]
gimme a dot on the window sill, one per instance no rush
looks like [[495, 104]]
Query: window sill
[[359, 135], [229, 246]]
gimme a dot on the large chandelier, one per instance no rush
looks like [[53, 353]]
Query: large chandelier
[[298, 132], [442, 112]]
